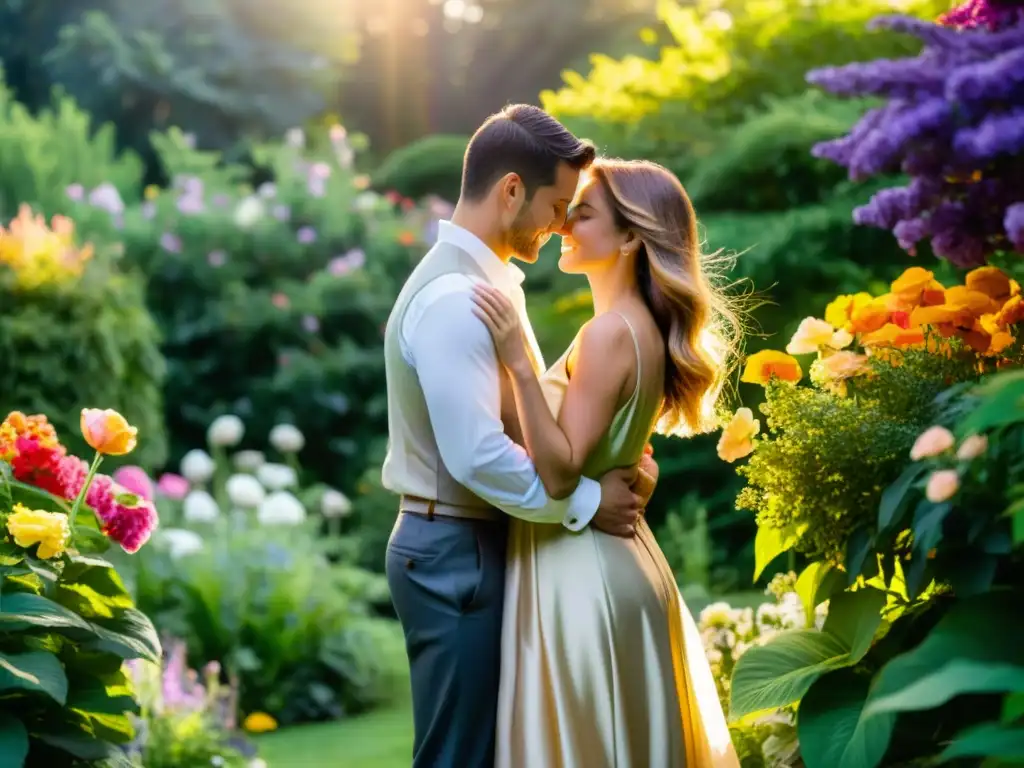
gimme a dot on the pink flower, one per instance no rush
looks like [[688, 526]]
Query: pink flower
[[280, 300], [130, 526], [136, 480], [942, 485], [172, 486], [71, 472]]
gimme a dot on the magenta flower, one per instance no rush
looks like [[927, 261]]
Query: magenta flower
[[135, 480], [172, 486], [306, 235]]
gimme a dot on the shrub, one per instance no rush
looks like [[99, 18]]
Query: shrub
[[75, 332], [66, 619], [271, 302], [43, 155], [429, 166]]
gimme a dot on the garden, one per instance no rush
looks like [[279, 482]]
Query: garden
[[194, 281]]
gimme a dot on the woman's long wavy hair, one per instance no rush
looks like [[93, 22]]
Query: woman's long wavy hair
[[697, 321]]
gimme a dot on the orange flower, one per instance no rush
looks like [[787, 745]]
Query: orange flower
[[17, 424], [991, 281], [909, 286], [977, 302], [942, 314], [869, 317], [933, 293], [737, 438], [998, 338], [840, 311], [972, 447], [1012, 312], [891, 335], [108, 432], [763, 366], [406, 238]]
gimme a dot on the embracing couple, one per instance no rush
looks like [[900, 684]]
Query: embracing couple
[[543, 624]]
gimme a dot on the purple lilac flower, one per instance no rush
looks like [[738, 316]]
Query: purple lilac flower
[[170, 242], [1013, 222], [997, 78], [311, 323], [216, 258], [884, 209], [316, 186], [75, 192], [910, 232], [106, 197], [998, 134], [190, 205], [181, 691], [306, 235], [220, 200]]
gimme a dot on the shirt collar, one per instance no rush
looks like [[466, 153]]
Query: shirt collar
[[504, 276]]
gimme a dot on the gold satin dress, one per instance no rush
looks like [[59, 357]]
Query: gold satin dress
[[601, 662]]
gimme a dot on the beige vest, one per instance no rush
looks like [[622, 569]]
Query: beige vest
[[413, 465]]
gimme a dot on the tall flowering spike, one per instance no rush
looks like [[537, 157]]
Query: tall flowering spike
[[954, 123]]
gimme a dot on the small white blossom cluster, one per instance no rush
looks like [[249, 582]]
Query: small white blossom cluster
[[727, 633]]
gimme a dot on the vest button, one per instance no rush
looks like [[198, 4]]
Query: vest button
[[409, 565], [572, 521]]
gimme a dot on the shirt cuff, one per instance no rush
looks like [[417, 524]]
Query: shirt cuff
[[583, 504]]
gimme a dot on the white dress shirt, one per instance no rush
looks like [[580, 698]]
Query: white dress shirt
[[454, 357]]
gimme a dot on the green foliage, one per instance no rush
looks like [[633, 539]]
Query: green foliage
[[42, 154], [83, 344], [830, 457], [67, 624], [951, 568], [271, 303], [429, 166]]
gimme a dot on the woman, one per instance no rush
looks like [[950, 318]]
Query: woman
[[602, 665]]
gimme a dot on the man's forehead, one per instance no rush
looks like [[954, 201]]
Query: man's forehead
[[566, 181]]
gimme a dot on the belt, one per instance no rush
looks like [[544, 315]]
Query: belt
[[429, 508]]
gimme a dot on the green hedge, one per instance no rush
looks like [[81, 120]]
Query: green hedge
[[430, 166]]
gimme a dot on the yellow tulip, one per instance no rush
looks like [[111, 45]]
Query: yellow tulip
[[49, 530], [108, 432]]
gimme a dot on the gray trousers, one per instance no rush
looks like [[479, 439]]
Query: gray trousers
[[447, 579]]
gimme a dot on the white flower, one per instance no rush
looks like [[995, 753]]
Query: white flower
[[257, 762], [281, 508], [182, 542], [820, 614], [245, 491], [249, 461], [717, 615], [287, 438], [714, 655], [248, 212], [739, 650], [199, 507], [366, 201], [745, 622], [197, 466], [335, 504], [277, 477], [267, 190], [225, 431], [295, 138]]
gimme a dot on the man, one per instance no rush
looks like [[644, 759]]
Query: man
[[451, 422]]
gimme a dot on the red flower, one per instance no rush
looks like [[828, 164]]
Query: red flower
[[130, 527], [37, 465]]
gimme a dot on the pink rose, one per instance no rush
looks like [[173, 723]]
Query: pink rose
[[172, 486]]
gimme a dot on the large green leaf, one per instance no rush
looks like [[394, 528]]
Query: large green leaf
[[833, 729], [927, 528], [854, 618], [769, 543], [1001, 403], [97, 573], [858, 547], [79, 743], [37, 498], [116, 728], [961, 654], [815, 585], [13, 740], [988, 740], [22, 611], [109, 694], [36, 671], [780, 672], [130, 635], [894, 501]]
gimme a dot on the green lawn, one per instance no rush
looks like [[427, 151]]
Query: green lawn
[[381, 739]]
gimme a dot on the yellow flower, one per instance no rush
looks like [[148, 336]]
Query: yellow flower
[[362, 181], [932, 442], [811, 335], [35, 526], [259, 722], [108, 432], [892, 335], [976, 302], [737, 438], [942, 485], [840, 311], [152, 192], [972, 447], [871, 316], [762, 366]]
